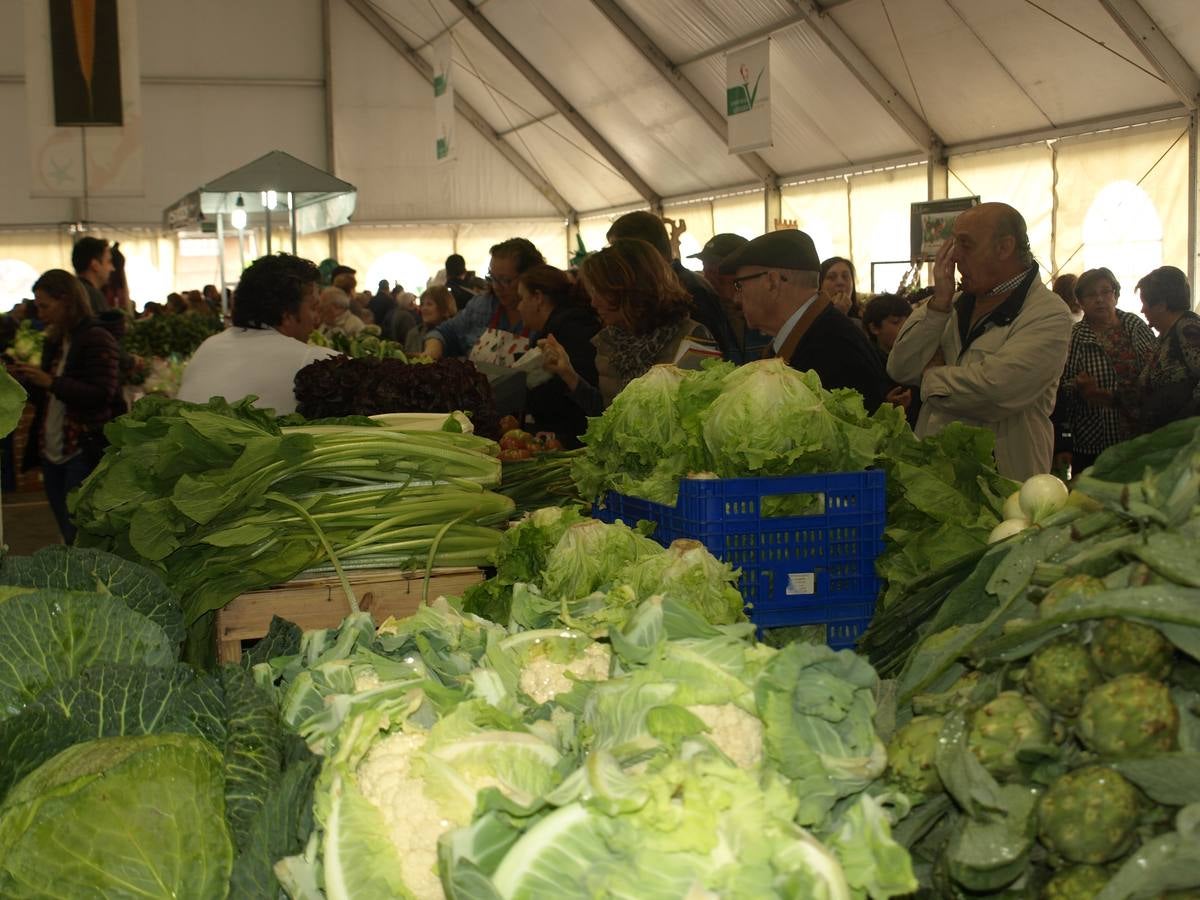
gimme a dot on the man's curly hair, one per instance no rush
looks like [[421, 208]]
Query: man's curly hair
[[270, 288]]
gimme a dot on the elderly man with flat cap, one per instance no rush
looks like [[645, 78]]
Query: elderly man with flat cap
[[775, 279], [991, 354]]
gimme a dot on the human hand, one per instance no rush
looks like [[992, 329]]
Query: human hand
[[433, 349], [943, 278], [31, 375], [556, 361], [841, 300], [899, 396], [1091, 391]]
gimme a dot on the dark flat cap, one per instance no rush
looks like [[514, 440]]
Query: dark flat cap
[[720, 246], [789, 249]]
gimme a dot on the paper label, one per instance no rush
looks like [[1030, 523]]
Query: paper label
[[801, 583]]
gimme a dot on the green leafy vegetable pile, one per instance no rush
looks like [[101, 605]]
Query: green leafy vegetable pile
[[658, 756], [1050, 714], [765, 418], [170, 335], [368, 344], [558, 566], [221, 500], [122, 771]]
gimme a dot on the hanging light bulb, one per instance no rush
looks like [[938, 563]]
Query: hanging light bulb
[[238, 217], [272, 199]]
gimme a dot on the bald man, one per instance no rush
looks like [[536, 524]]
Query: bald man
[[991, 353]]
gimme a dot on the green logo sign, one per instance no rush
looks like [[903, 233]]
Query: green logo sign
[[740, 98], [439, 85], [443, 148]]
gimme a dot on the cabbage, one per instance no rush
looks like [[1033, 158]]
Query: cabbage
[[639, 446], [770, 420], [119, 817], [688, 574], [590, 555]]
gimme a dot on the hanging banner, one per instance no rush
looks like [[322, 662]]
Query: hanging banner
[[83, 98], [748, 97], [445, 148]]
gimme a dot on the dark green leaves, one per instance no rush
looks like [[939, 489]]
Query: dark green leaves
[[49, 636], [91, 571], [105, 702]]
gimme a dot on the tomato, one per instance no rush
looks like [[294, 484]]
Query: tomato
[[509, 423], [517, 434], [514, 454], [553, 444]]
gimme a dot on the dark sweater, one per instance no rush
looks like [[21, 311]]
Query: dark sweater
[[550, 404], [89, 385], [837, 350]]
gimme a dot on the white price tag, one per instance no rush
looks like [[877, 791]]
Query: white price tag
[[801, 583]]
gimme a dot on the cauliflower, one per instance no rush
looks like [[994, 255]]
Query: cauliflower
[[387, 779], [543, 679], [366, 680], [737, 733]]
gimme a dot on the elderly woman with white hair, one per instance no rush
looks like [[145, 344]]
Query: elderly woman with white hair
[[336, 315]]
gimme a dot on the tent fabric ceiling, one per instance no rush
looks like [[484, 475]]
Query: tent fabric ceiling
[[973, 70]]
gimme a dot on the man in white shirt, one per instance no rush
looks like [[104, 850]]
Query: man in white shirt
[[991, 354], [274, 312]]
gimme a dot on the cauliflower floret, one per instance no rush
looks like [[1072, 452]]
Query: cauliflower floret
[[544, 680], [414, 821], [366, 680], [736, 733]]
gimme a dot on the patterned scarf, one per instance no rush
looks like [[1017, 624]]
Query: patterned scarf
[[632, 355]]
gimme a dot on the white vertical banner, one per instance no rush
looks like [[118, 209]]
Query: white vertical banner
[[748, 97], [97, 59], [445, 147]]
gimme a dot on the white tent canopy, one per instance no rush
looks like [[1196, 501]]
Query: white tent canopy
[[1082, 113]]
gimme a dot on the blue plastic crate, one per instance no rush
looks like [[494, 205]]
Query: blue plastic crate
[[811, 569]]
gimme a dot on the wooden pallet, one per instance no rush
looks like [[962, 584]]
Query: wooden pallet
[[321, 602]]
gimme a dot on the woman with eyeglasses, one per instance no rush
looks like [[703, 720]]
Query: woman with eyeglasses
[[1170, 386], [1109, 349], [492, 312], [645, 319]]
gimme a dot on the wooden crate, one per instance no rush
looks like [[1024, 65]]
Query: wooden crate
[[321, 602]]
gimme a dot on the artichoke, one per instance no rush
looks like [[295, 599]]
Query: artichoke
[[1060, 675], [958, 695], [1072, 585], [1131, 715], [1121, 647], [911, 756], [1005, 726], [1076, 883], [1089, 815]]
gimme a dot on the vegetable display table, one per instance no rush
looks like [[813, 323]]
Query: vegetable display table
[[320, 602]]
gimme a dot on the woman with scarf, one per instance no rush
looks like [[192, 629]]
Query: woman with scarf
[[645, 320], [76, 389]]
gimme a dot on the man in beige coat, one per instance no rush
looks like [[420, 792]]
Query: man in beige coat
[[991, 354]]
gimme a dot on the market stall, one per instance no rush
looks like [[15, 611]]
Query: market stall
[[309, 199], [607, 706]]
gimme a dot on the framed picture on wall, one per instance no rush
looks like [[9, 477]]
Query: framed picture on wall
[[933, 223]]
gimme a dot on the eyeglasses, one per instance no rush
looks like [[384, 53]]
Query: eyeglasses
[[1104, 293], [738, 282], [501, 282]]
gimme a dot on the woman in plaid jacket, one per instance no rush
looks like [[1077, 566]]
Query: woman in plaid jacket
[[1109, 350]]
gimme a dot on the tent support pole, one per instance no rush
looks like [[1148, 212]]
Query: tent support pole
[[221, 260], [267, 209], [1193, 199], [292, 218]]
